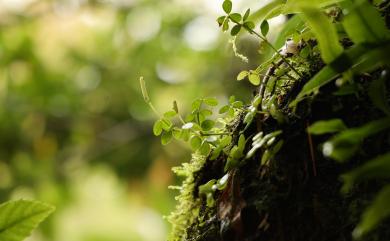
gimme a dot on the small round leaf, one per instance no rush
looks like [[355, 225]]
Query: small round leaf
[[235, 30], [166, 137], [264, 27], [195, 142], [236, 17], [207, 125], [254, 79], [157, 128], [211, 101], [227, 6]]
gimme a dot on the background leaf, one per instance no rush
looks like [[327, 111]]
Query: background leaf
[[375, 213], [324, 31], [363, 23], [377, 93], [373, 169], [19, 218], [342, 146], [327, 126]]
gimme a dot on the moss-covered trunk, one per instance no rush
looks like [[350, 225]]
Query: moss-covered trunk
[[283, 187]]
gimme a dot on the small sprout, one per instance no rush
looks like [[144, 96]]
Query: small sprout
[[265, 157], [271, 141], [222, 183], [144, 90], [264, 27], [227, 6]]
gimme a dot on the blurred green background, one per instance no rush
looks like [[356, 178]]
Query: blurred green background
[[74, 129]]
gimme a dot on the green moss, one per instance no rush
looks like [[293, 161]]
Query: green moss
[[187, 209]]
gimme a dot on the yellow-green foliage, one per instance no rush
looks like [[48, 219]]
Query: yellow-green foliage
[[187, 208]]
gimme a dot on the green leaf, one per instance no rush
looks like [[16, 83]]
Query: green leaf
[[207, 125], [236, 17], [235, 30], [166, 124], [177, 133], [360, 57], [293, 6], [246, 15], [211, 101], [324, 31], [264, 27], [220, 20], [241, 142], [375, 213], [342, 146], [157, 128], [225, 25], [254, 79], [372, 169], [324, 76], [326, 126], [377, 93], [242, 75], [195, 142], [363, 23], [205, 148], [227, 6], [305, 52], [224, 109], [19, 218], [268, 10], [249, 24], [207, 187], [166, 137], [206, 112], [237, 104], [225, 141], [196, 104], [170, 114]]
